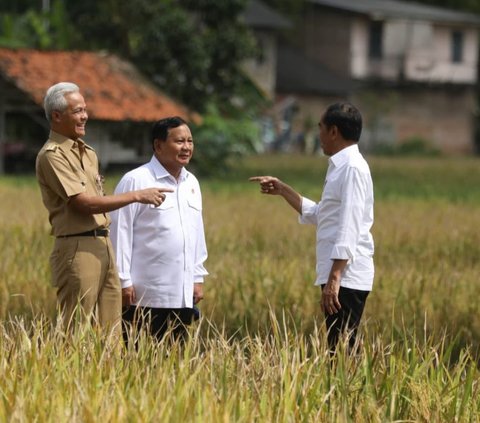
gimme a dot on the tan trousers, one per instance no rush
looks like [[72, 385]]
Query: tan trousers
[[85, 275]]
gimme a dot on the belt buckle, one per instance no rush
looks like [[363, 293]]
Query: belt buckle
[[100, 232]]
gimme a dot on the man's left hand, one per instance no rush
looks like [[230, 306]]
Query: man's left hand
[[197, 292], [330, 302], [128, 296]]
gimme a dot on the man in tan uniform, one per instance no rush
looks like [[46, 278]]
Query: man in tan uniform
[[82, 261]]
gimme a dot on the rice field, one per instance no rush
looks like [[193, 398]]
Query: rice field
[[259, 351]]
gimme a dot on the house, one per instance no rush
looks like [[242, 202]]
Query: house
[[312, 87], [265, 24], [287, 77], [121, 103], [411, 69]]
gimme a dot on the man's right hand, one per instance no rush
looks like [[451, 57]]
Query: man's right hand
[[128, 296], [274, 186], [268, 184], [153, 196]]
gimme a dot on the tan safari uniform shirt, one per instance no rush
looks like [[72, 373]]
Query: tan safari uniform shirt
[[60, 175]]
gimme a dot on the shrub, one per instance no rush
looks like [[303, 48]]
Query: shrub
[[417, 146], [220, 138], [412, 146]]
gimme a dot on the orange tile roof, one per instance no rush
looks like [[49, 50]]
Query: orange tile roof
[[113, 89]]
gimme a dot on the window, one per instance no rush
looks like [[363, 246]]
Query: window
[[375, 40], [457, 46]]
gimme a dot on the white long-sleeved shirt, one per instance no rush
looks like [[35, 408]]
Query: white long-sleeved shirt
[[344, 217], [160, 250]]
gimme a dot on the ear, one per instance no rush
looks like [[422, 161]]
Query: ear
[[56, 116], [333, 131], [157, 144]]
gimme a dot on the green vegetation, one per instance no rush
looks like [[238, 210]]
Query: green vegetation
[[259, 353]]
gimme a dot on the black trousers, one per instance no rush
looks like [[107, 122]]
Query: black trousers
[[158, 321], [347, 320]]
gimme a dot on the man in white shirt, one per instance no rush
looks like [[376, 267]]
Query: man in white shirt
[[343, 217], [160, 251]]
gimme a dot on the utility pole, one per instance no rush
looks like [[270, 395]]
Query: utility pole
[[45, 6], [46, 13]]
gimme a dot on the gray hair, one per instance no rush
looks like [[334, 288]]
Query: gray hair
[[55, 97]]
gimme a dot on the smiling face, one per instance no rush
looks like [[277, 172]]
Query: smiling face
[[71, 121], [176, 151]]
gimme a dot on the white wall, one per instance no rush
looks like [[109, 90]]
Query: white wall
[[420, 51], [359, 48]]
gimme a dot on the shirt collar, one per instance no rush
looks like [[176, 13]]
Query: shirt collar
[[343, 155], [160, 172]]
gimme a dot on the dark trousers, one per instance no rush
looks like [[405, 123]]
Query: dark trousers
[[347, 320], [157, 320]]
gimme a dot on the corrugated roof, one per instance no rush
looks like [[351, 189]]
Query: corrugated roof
[[259, 15], [113, 89], [379, 9], [298, 74]]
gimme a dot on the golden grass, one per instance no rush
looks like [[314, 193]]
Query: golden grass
[[259, 353]]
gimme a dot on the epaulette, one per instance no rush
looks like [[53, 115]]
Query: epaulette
[[51, 147]]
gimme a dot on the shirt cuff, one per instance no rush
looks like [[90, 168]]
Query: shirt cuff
[[308, 206], [309, 211], [126, 282], [341, 252], [198, 280]]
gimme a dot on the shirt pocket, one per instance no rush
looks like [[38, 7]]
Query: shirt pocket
[[195, 204], [195, 211], [163, 218], [168, 203]]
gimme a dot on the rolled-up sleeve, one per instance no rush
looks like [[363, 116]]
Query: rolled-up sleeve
[[351, 215], [309, 212]]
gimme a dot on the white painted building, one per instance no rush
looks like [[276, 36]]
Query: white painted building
[[413, 68]]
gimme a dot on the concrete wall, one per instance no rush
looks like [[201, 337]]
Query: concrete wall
[[442, 116]]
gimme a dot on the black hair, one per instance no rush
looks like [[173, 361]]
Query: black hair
[[347, 118], [160, 128]]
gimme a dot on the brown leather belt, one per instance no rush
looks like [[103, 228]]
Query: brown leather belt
[[96, 232]]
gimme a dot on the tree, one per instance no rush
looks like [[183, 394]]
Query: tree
[[24, 25], [191, 48]]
